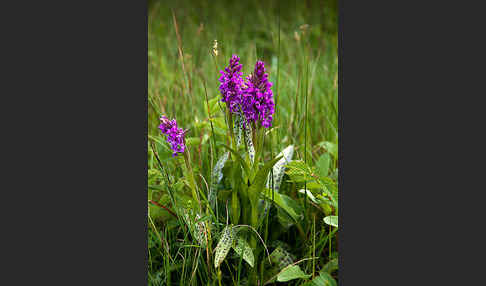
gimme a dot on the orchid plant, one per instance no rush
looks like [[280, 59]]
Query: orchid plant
[[253, 184]]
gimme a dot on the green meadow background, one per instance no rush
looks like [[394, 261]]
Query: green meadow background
[[305, 55]]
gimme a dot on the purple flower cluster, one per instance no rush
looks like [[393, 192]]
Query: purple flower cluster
[[257, 101], [232, 84], [252, 98], [175, 135]]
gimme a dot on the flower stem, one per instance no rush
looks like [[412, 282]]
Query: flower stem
[[190, 177]]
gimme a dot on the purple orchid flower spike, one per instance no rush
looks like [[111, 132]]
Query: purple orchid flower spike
[[232, 84], [175, 135], [252, 98], [257, 101]]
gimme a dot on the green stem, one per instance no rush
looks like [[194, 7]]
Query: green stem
[[314, 246], [252, 217], [305, 127], [235, 206], [219, 276], [330, 237], [254, 221], [190, 177]]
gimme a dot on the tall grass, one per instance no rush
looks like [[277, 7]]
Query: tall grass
[[298, 42]]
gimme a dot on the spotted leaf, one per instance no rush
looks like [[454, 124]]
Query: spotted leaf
[[242, 248], [216, 177], [249, 143], [238, 129], [224, 245]]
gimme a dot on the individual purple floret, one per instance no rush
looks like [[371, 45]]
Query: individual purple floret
[[175, 135], [257, 99], [231, 84]]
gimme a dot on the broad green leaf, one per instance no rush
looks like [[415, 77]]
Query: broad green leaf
[[323, 164], [324, 279], [284, 217], [242, 248], [331, 266], [258, 183], [331, 220], [293, 204], [291, 273], [282, 201], [224, 245]]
